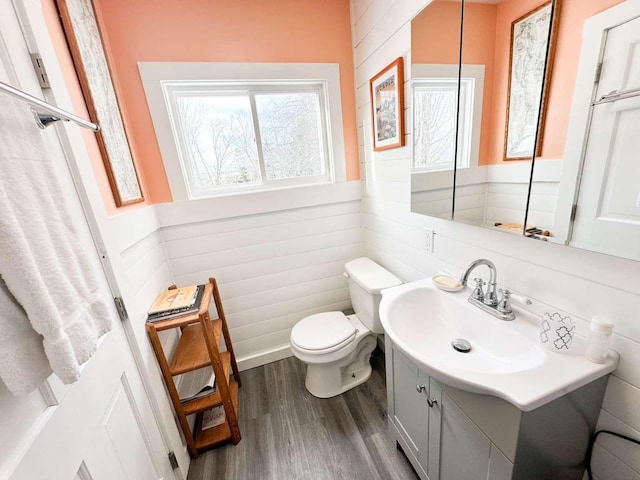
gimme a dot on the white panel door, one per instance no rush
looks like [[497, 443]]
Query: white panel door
[[608, 212], [97, 428]]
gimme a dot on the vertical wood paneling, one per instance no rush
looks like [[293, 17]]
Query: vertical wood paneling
[[582, 283]]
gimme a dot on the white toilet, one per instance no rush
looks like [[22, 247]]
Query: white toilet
[[336, 347]]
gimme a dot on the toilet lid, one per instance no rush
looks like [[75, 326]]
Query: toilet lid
[[322, 331]]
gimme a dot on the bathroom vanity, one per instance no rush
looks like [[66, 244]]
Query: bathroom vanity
[[451, 434], [507, 409]]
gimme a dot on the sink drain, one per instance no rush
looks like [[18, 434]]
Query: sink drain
[[461, 345]]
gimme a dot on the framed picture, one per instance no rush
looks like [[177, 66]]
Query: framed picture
[[85, 43], [387, 106], [528, 89]]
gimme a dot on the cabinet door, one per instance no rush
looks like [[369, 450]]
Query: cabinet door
[[435, 430], [464, 450], [500, 468], [410, 412]]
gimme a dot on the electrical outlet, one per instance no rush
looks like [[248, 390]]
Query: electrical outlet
[[428, 239]]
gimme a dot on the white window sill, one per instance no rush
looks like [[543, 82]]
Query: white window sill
[[256, 202]]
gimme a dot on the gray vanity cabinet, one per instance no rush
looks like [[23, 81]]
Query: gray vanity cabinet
[[439, 439], [465, 451], [451, 434], [411, 413]]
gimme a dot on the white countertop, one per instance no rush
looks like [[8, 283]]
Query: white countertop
[[508, 359]]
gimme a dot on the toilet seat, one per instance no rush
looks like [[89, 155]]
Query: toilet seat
[[323, 333]]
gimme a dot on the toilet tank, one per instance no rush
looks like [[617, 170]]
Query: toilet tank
[[366, 279]]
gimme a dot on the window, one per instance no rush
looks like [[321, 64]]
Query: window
[[434, 103], [235, 136], [233, 128], [434, 90]]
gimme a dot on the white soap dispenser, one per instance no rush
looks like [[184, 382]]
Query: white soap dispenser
[[599, 339]]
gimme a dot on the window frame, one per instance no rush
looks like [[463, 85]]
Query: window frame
[[472, 76], [263, 77], [432, 84], [250, 89]]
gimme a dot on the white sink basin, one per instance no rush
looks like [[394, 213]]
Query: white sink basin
[[506, 359]]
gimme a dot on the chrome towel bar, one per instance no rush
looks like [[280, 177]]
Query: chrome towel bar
[[53, 114], [616, 95]]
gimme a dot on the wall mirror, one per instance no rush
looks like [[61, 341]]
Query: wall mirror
[[435, 56], [504, 51], [534, 194], [502, 89]]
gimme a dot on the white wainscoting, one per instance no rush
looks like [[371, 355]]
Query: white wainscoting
[[507, 190], [487, 195], [582, 283], [143, 258], [273, 267]]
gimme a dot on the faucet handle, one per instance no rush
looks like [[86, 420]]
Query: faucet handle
[[478, 291], [504, 305]]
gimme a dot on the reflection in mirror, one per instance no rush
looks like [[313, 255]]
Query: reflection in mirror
[[584, 189], [435, 53], [599, 178], [528, 68], [504, 48]]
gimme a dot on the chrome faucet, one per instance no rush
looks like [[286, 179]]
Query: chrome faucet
[[488, 301]]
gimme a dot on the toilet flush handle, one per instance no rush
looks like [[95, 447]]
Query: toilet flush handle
[[345, 274]]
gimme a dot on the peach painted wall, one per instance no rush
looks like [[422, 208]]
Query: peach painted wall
[[435, 33], [66, 64], [220, 31], [435, 36], [565, 70], [478, 48]]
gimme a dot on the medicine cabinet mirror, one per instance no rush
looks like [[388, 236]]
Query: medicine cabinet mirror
[[435, 55], [533, 195]]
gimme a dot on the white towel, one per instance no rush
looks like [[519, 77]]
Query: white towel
[[43, 263], [23, 364]]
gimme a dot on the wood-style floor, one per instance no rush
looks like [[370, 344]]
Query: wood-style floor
[[289, 434]]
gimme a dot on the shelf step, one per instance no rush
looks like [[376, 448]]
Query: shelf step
[[191, 352], [222, 433], [214, 399]]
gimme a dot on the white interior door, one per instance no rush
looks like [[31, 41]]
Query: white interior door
[[608, 212], [101, 427]]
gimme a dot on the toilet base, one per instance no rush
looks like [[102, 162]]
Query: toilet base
[[330, 379]]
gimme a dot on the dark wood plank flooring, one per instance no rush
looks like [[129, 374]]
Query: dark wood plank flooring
[[289, 434]]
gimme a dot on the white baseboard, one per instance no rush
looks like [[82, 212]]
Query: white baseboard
[[263, 357], [280, 352]]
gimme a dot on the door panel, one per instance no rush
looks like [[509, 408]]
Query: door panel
[[121, 439], [608, 213], [410, 411], [435, 430], [99, 428]]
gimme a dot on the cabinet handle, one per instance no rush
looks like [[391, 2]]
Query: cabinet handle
[[423, 388]]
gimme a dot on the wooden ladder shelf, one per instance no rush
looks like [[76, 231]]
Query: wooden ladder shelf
[[198, 347]]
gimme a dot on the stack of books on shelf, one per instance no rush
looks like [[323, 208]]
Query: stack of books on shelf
[[176, 302]]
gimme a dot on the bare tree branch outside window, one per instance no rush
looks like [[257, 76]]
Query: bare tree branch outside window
[[220, 137]]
